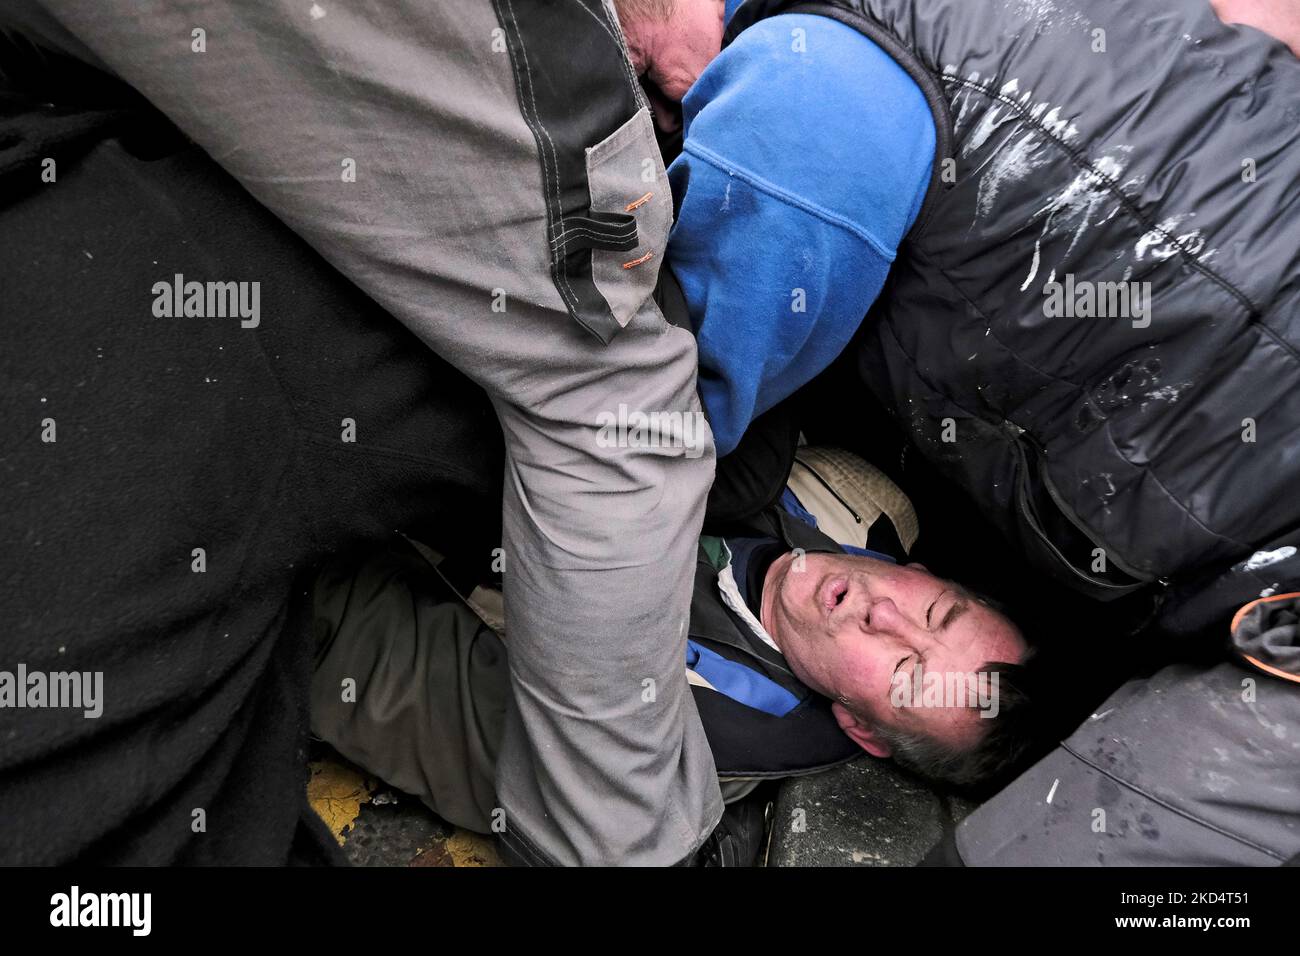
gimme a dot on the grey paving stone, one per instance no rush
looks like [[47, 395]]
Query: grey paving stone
[[865, 813]]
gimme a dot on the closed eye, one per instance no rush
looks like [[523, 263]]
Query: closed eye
[[893, 679], [929, 611]]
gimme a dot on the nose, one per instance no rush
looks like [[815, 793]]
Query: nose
[[881, 614]]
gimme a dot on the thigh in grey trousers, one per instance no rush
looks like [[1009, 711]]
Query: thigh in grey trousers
[[435, 154]]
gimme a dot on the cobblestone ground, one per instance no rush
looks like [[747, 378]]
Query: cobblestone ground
[[379, 826], [866, 813]]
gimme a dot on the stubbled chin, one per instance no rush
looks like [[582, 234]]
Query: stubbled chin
[[773, 585]]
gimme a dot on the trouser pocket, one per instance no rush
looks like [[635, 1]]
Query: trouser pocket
[[626, 177], [607, 210]]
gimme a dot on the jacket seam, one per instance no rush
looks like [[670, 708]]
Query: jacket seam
[[776, 192], [928, 81]]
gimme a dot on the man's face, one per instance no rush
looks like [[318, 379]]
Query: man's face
[[674, 52], [848, 624]]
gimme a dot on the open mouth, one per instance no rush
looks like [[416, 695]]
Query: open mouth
[[833, 592]]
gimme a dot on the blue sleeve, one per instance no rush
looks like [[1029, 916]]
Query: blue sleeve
[[806, 158]]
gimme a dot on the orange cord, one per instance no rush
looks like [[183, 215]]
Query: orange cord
[[1246, 609]]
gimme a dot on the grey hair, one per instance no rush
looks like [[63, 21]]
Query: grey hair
[[631, 11], [1000, 748]]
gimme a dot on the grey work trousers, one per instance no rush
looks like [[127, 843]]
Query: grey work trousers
[[389, 134], [412, 685]]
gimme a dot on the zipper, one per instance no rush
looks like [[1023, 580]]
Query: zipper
[[1070, 517], [1023, 503]]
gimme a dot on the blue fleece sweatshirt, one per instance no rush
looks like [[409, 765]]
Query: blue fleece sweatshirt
[[806, 157]]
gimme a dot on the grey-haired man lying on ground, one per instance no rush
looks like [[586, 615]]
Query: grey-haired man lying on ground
[[805, 648]]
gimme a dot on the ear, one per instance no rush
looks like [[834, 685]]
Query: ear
[[633, 36], [860, 732]]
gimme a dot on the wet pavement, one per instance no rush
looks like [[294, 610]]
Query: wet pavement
[[865, 813]]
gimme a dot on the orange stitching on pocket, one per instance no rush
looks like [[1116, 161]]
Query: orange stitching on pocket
[[637, 203], [637, 262]]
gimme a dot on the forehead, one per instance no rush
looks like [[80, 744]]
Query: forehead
[[954, 725], [985, 632]]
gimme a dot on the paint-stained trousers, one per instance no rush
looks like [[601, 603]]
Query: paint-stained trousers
[[485, 171]]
